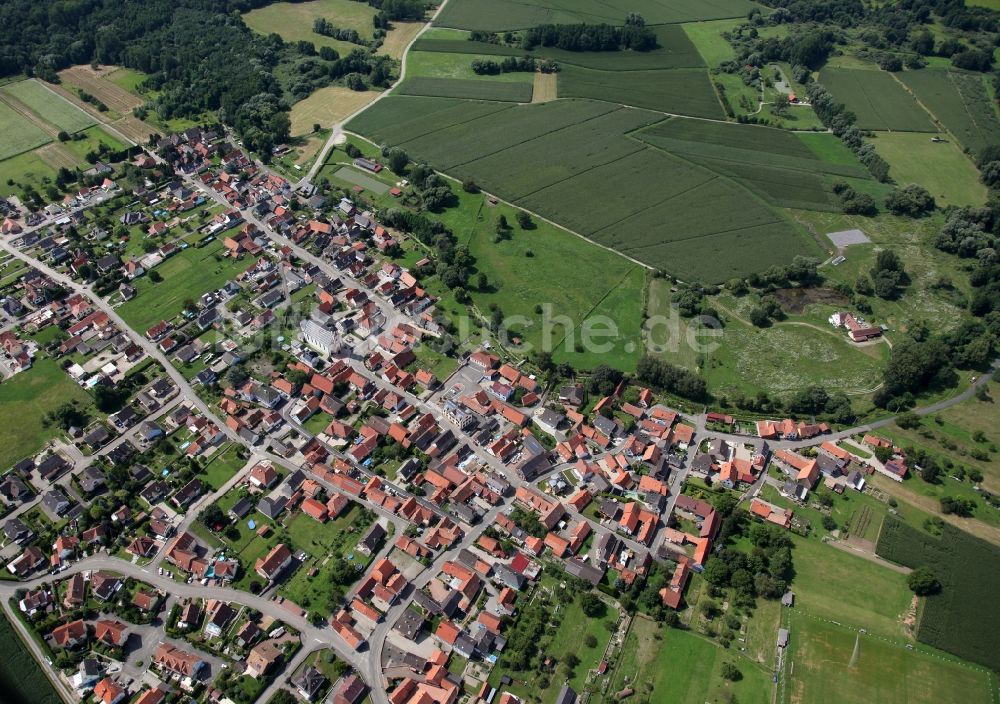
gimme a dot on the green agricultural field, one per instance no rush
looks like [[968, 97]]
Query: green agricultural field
[[707, 37], [481, 136], [189, 274], [675, 50], [941, 167], [827, 583], [553, 158], [500, 15], [680, 667], [21, 677], [774, 163], [454, 41], [678, 91], [19, 133], [475, 89], [25, 398], [49, 106], [557, 156], [960, 101], [968, 568], [398, 119], [294, 21], [828, 147], [877, 98], [443, 64], [827, 662]]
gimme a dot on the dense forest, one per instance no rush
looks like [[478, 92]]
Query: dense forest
[[200, 55]]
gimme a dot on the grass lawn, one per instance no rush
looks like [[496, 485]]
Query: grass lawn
[[188, 274], [440, 365], [127, 78], [294, 21], [833, 584], [680, 667], [957, 425], [25, 399], [321, 541], [222, 466], [565, 275], [786, 357], [92, 138], [250, 551], [833, 663], [24, 169], [855, 449], [941, 167]]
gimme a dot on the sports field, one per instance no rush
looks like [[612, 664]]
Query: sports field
[[571, 161], [504, 91], [293, 21], [834, 663], [19, 133], [500, 15], [960, 102], [189, 274], [940, 167], [671, 665], [49, 106], [879, 100], [827, 585]]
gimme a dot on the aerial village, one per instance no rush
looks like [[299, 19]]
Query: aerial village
[[340, 515]]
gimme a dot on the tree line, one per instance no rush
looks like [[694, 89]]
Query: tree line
[[513, 64], [590, 37]]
